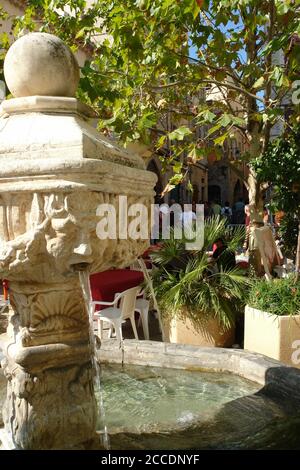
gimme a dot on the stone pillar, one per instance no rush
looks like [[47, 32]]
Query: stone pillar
[[55, 172], [50, 397]]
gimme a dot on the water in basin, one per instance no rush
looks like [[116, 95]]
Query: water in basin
[[159, 408], [146, 399]]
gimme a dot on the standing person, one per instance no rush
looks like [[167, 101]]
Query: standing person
[[266, 216], [222, 255], [247, 223], [226, 212], [207, 210], [239, 212], [279, 215], [216, 208], [187, 218], [164, 211], [247, 214], [172, 216]]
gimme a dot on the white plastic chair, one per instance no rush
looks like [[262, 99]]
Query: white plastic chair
[[122, 307], [142, 307]]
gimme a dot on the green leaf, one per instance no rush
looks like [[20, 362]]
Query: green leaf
[[239, 121], [161, 141], [225, 120], [196, 154], [214, 129], [207, 116], [189, 186], [283, 6], [259, 83], [220, 140], [80, 33], [177, 167], [176, 179], [180, 133]]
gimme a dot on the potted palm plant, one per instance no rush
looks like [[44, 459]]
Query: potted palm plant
[[199, 300], [272, 319]]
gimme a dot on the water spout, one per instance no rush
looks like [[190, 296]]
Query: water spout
[[79, 267]]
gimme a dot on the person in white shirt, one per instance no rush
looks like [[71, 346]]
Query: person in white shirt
[[187, 218]]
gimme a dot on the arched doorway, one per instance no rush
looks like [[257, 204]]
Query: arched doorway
[[175, 193], [195, 193], [240, 192], [237, 192], [214, 193], [152, 166]]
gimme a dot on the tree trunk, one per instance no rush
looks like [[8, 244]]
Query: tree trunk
[[256, 207], [258, 134], [256, 221]]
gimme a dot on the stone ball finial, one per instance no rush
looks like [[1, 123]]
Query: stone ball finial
[[41, 64]]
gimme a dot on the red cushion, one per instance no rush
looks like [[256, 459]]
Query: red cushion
[[105, 285], [243, 264]]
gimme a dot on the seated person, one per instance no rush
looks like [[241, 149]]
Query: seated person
[[224, 257]]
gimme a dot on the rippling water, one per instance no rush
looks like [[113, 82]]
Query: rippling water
[[156, 408], [141, 399]]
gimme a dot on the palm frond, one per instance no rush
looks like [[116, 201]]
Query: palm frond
[[235, 237], [185, 282]]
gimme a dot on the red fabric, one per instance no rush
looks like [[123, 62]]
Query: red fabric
[[217, 245], [105, 285], [243, 264], [149, 250], [148, 264], [147, 254]]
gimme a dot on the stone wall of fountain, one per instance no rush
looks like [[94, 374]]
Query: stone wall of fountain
[[55, 170]]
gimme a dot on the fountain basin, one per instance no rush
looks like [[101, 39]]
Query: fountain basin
[[171, 396]]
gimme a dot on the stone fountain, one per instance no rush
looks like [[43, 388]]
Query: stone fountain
[[55, 171]]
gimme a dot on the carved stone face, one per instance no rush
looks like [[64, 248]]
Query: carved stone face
[[71, 233], [58, 237]]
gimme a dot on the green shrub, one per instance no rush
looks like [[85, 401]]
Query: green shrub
[[185, 283], [280, 296], [288, 231]]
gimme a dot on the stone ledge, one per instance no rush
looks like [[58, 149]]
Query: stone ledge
[[252, 366], [55, 104]]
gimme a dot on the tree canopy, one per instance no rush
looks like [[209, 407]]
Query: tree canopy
[[280, 166], [152, 60]]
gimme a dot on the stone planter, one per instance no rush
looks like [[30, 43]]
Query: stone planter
[[210, 334], [272, 335]]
